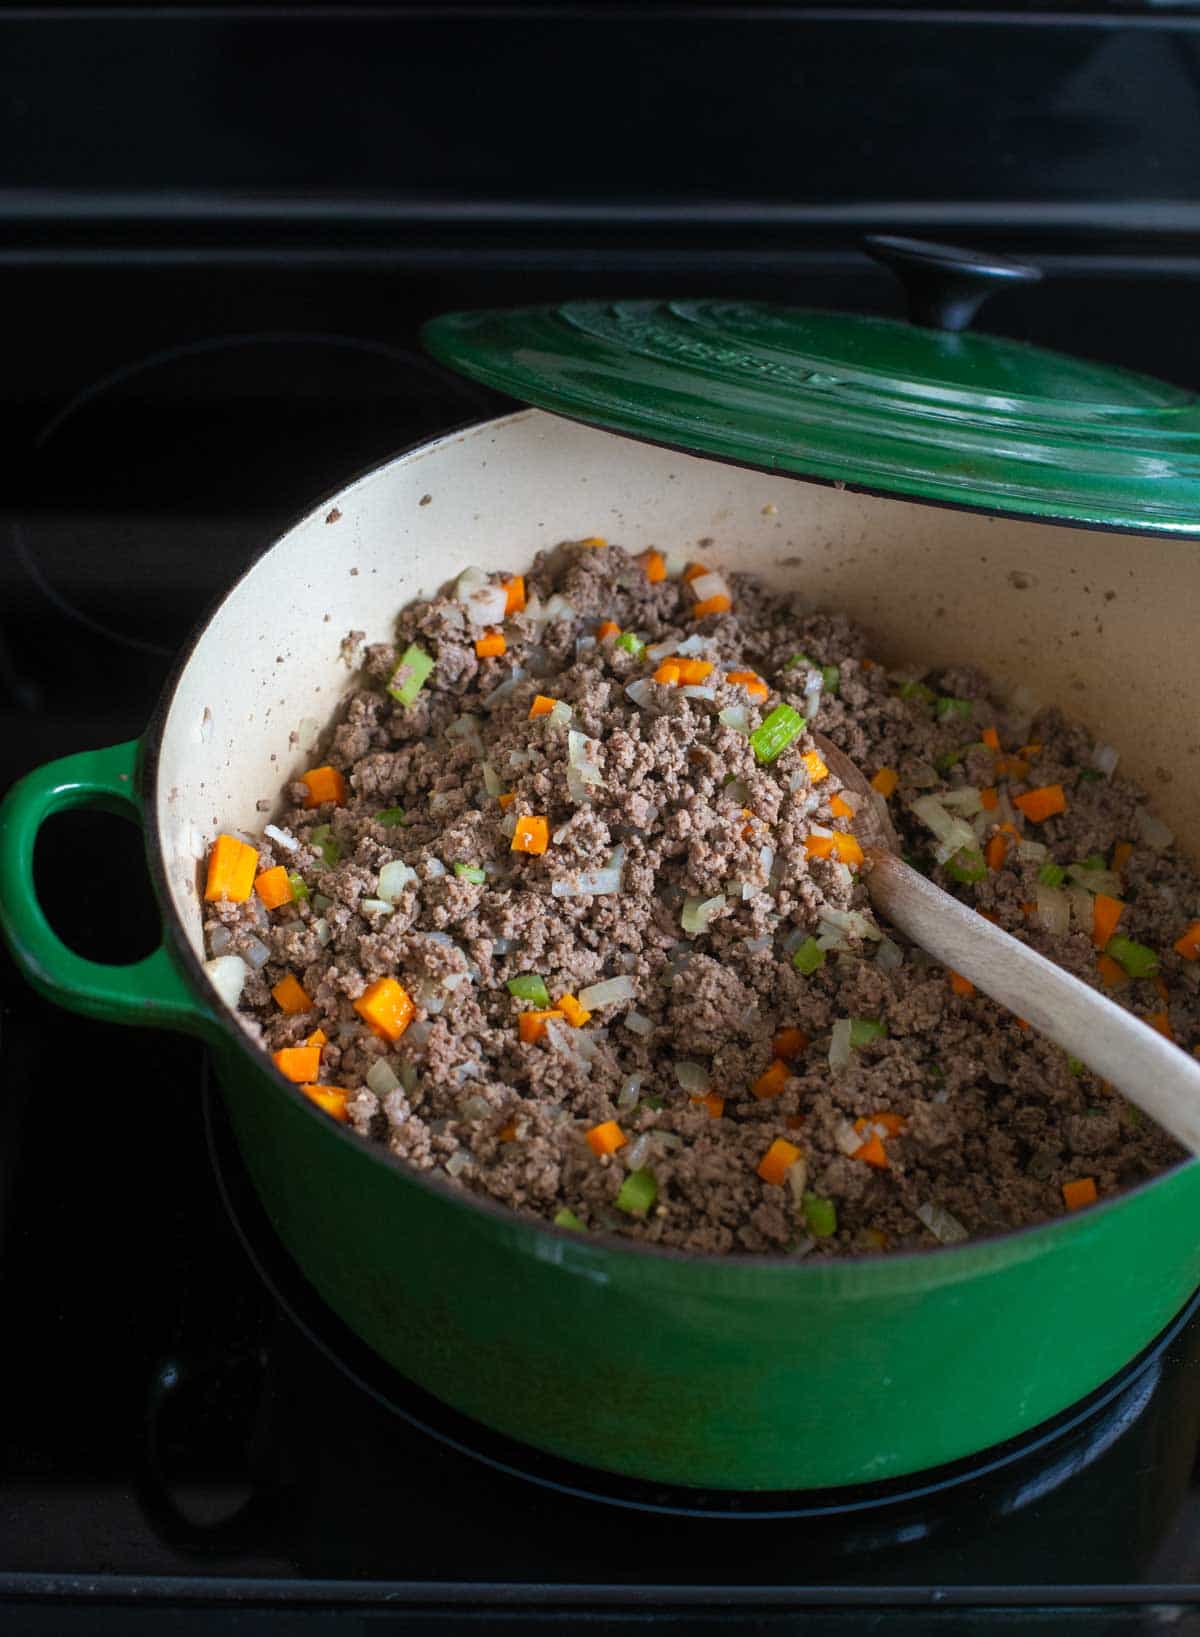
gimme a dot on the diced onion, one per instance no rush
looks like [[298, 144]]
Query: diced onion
[[697, 690], [687, 648], [709, 585], [227, 974], [638, 1023], [417, 1034], [255, 953], [393, 878], [736, 717], [675, 563], [499, 694], [457, 1162], [756, 946], [813, 686], [381, 1078], [321, 928], [966, 801], [890, 956], [471, 579], [594, 882], [693, 1078], [1053, 910], [1082, 908], [1104, 760], [487, 605], [847, 1139], [628, 1094], [1106, 881], [644, 694], [580, 758], [608, 993], [942, 1225], [583, 645], [281, 837], [797, 1179], [698, 912], [1152, 830], [1031, 852], [560, 714], [839, 1045], [375, 906], [852, 921], [470, 1070], [219, 940], [558, 608]]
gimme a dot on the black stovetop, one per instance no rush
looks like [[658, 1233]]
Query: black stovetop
[[185, 1434]]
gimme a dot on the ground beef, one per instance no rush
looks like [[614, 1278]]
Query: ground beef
[[985, 1121]]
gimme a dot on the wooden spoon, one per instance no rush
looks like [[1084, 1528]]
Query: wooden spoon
[[1142, 1064]]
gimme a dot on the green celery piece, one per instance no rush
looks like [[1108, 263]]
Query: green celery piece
[[320, 903], [776, 733], [632, 644], [917, 691], [298, 885], [973, 869], [470, 872], [1095, 861], [1075, 1065], [1137, 960], [416, 666], [1133, 1116], [808, 957], [568, 1219], [831, 677], [329, 849], [951, 758], [801, 659], [1052, 875], [948, 708], [820, 1216], [529, 986], [652, 1102], [865, 1029], [390, 817], [1089, 775], [637, 1193]]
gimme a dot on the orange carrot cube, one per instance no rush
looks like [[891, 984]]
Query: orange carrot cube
[[840, 808], [575, 1014], [273, 887], [961, 985], [789, 1043], [317, 1038], [386, 1008], [507, 1133], [606, 1138], [694, 570], [873, 1153], [991, 739], [514, 595], [996, 852], [654, 566], [693, 672], [532, 834], [778, 1160], [298, 1063], [713, 1102], [491, 645], [1106, 912], [231, 867], [290, 996], [771, 1081], [607, 628], [753, 684], [989, 799], [815, 765], [531, 1026], [718, 604], [507, 799], [330, 1098], [1188, 943], [1113, 974], [1039, 805], [596, 541], [1120, 857], [847, 848], [1079, 1193], [324, 784], [1162, 1022], [542, 706], [885, 781], [668, 673]]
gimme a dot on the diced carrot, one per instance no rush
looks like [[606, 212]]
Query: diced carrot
[[507, 799], [1079, 1193], [753, 684], [317, 1038], [778, 1160], [607, 628], [514, 595], [893, 1124], [789, 1043], [668, 673], [1041, 804], [324, 784], [654, 566], [491, 645], [298, 1063], [1030, 751], [1162, 1022], [961, 985], [873, 1152], [694, 570], [1113, 975], [989, 799], [386, 1008], [1161, 986], [542, 706], [532, 834], [507, 1133], [719, 604], [606, 1138], [531, 1026], [1106, 912], [330, 1098], [1188, 943], [771, 1081], [1120, 857], [1011, 767], [693, 672], [1028, 906], [995, 852], [713, 1102], [231, 867], [991, 739], [596, 541], [840, 808], [816, 767], [845, 846], [795, 1122], [1021, 1024], [987, 915], [290, 995], [273, 887], [575, 1014], [867, 664], [885, 781]]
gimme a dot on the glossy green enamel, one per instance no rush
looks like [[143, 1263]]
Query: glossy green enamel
[[964, 419]]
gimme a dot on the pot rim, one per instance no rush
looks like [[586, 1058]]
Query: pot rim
[[951, 1257]]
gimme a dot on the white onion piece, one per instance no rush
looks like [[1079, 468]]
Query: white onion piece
[[933, 815], [1031, 852], [470, 580], [508, 824], [393, 878], [608, 993], [375, 906], [430, 995], [852, 921], [736, 717], [321, 928], [1152, 830], [1082, 908], [281, 838], [1105, 759], [756, 946], [492, 781], [628, 1094], [577, 786], [487, 606], [813, 688], [219, 940], [417, 1034], [638, 1023], [499, 694], [1004, 809], [709, 585], [583, 645], [560, 714], [966, 801], [698, 912], [227, 974], [255, 953], [830, 937], [697, 690], [942, 1225], [962, 835], [644, 693], [579, 756], [1053, 910], [434, 868], [457, 1162], [847, 1139], [470, 1070], [797, 1180], [1106, 881], [839, 1044], [686, 648], [638, 1152], [588, 882], [693, 1078], [381, 1077], [675, 564], [890, 957]]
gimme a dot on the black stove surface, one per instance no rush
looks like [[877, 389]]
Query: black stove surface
[[186, 1435]]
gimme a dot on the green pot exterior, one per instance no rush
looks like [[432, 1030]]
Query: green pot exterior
[[738, 1373]]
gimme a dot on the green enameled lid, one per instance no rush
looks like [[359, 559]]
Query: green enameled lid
[[963, 419]]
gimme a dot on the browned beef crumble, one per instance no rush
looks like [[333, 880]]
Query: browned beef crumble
[[997, 1118]]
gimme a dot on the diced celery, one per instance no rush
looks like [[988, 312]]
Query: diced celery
[[1137, 960], [776, 733], [652, 1102], [390, 817], [1075, 1065], [831, 676], [1052, 875], [808, 957], [298, 885], [529, 986], [470, 872], [948, 708], [329, 849], [413, 671], [917, 691], [967, 866], [865, 1029], [632, 644], [637, 1193], [800, 659], [820, 1216], [568, 1219]]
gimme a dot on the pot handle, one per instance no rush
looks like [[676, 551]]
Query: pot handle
[[150, 991], [945, 286]]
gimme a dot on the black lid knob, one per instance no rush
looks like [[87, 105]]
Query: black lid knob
[[945, 286]]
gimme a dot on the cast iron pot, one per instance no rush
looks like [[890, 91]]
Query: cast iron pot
[[734, 1372]]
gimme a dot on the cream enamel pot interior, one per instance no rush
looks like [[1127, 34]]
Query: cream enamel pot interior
[[740, 1373]]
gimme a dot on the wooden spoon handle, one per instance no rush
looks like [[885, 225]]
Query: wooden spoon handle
[[1133, 1057]]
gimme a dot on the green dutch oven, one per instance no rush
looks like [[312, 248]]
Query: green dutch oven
[[1061, 553]]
